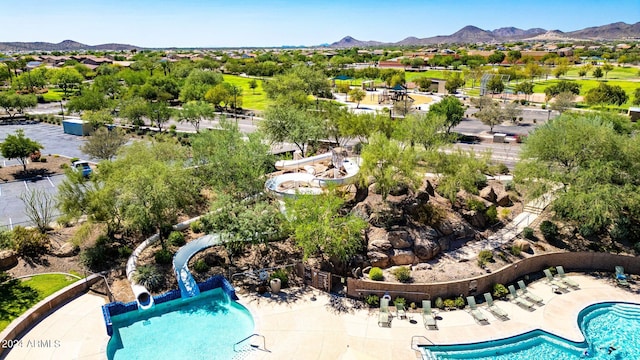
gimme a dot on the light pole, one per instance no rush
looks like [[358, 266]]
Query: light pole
[[61, 110]]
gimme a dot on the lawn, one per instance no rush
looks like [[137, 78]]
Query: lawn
[[18, 296], [53, 95], [618, 73], [251, 99], [628, 86]]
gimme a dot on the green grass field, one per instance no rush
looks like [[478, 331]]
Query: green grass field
[[628, 86], [18, 296], [618, 73], [251, 99]]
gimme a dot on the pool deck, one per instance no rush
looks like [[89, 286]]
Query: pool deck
[[297, 327]]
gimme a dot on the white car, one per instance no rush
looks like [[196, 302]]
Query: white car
[[82, 166]]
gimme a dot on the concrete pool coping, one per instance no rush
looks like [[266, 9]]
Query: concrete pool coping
[[297, 327]]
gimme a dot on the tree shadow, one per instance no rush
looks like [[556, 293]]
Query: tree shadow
[[32, 174]]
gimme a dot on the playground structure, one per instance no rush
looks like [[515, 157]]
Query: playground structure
[[396, 94], [313, 174]]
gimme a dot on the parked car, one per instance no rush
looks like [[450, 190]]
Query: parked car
[[82, 166]]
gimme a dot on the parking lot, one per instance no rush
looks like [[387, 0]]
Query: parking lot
[[54, 141]]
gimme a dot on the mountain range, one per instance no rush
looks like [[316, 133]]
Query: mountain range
[[67, 45], [468, 34], [473, 34]]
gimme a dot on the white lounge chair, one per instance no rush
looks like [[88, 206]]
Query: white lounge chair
[[494, 309], [478, 315], [565, 279], [428, 317], [555, 282], [523, 303], [384, 317], [524, 292]]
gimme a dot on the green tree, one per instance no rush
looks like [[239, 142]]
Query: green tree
[[253, 85], [597, 73], [294, 85], [606, 67], [89, 99], [229, 163], [357, 94], [66, 78], [159, 113], [388, 163], [198, 83], [525, 87], [194, 112], [513, 56], [17, 146], [218, 95], [596, 164], [562, 86], [563, 101], [144, 189], [459, 170], [454, 82], [490, 115], [424, 83], [451, 108], [636, 96], [104, 143], [286, 123], [496, 58], [321, 230], [14, 104], [134, 110], [495, 85], [108, 85], [606, 94]]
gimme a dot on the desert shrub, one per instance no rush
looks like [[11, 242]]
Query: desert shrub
[[484, 256], [502, 256], [399, 301], [403, 274], [376, 274], [492, 213], [281, 274], [413, 306], [163, 256], [125, 251], [72, 160], [459, 302], [28, 242], [149, 276], [549, 230], [429, 214], [505, 213], [515, 250], [544, 106], [527, 232], [552, 270], [99, 256], [586, 230], [509, 186], [64, 166], [449, 303], [6, 242], [201, 266], [438, 303], [475, 205], [499, 291], [499, 168], [196, 227], [176, 238], [372, 300], [43, 159]]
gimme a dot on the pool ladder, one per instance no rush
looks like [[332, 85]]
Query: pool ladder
[[264, 343]]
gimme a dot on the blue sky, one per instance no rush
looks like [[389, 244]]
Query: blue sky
[[236, 23]]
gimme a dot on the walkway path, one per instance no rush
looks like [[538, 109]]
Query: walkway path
[[530, 213]]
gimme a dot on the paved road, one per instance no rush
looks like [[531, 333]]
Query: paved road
[[54, 141]]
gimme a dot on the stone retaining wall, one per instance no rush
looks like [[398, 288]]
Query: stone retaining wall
[[531, 266], [46, 307]]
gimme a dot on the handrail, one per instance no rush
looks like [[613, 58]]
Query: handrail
[[264, 342], [109, 292], [419, 337]]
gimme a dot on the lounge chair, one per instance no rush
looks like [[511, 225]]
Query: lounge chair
[[621, 278], [554, 282], [524, 292], [428, 318], [401, 311], [384, 317], [523, 303], [565, 279], [478, 315], [494, 309]]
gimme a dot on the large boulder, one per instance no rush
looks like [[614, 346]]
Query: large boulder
[[362, 210], [399, 239], [503, 199], [379, 259], [67, 249], [8, 259], [488, 194], [456, 227], [522, 244], [426, 249], [476, 218], [402, 257], [378, 240]]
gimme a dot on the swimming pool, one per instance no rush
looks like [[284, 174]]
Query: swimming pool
[[202, 327], [603, 325]]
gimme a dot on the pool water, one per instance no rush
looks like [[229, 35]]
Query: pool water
[[203, 327], [603, 325]]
